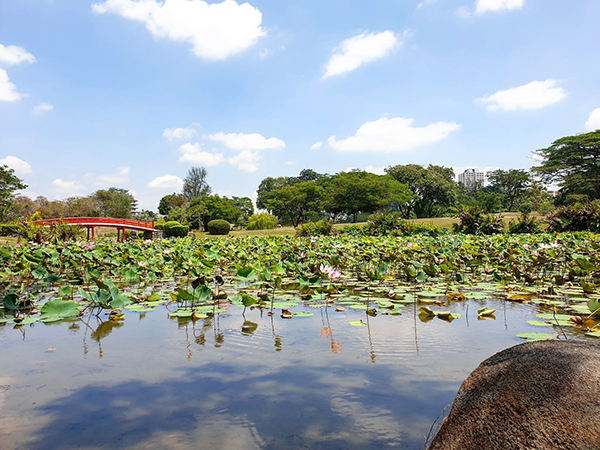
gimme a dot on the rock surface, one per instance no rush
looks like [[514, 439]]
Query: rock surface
[[539, 395]]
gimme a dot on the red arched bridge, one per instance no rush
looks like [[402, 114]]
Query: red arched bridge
[[92, 222]]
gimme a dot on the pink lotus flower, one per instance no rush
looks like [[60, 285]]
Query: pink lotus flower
[[330, 272], [142, 263]]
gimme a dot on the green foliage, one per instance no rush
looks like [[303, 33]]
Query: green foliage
[[321, 228], [434, 188], [513, 183], [392, 224], [112, 202], [218, 227], [9, 184], [171, 201], [262, 221], [353, 230], [576, 217], [10, 229], [573, 162], [175, 229], [294, 204], [473, 220], [525, 224], [58, 232]]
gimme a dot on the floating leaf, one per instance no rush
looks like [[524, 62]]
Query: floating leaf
[[538, 323], [537, 336], [59, 309], [358, 323], [303, 314]]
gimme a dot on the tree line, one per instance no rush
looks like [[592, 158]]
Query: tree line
[[415, 191]]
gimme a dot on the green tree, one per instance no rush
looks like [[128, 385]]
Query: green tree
[[514, 183], [359, 191], [113, 202], [574, 163], [171, 201], [9, 185], [294, 204], [267, 186], [434, 187], [195, 184]]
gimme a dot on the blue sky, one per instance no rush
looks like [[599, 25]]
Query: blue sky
[[132, 93]]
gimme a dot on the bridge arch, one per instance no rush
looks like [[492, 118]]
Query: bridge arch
[[92, 222]]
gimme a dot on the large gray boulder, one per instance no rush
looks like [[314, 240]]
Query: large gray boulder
[[539, 395]]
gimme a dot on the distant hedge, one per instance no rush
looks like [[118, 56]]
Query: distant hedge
[[218, 227], [175, 229]]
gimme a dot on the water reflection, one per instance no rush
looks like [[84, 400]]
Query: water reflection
[[228, 381]]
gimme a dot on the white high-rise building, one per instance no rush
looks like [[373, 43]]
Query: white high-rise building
[[471, 178]]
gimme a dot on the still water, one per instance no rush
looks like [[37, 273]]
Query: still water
[[242, 380]]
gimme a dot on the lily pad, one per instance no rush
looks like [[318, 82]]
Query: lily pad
[[539, 323], [536, 336], [303, 314], [59, 309], [358, 323]]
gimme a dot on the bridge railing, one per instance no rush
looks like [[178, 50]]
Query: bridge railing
[[96, 221]]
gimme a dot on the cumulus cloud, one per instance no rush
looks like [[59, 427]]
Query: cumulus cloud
[[484, 6], [68, 187], [12, 55], [241, 141], [42, 108], [245, 161], [166, 182], [193, 153], [19, 166], [215, 31], [8, 91], [392, 135], [179, 133], [362, 49], [119, 176], [316, 146], [534, 95], [593, 122]]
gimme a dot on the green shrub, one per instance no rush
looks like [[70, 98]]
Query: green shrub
[[576, 217], [473, 220], [218, 227], [262, 221], [353, 230], [321, 228], [10, 229], [174, 229], [525, 224], [160, 224], [392, 224]]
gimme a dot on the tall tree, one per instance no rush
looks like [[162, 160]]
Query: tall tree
[[113, 202], [9, 184], [434, 187], [573, 162], [195, 184], [171, 201], [514, 183], [294, 204]]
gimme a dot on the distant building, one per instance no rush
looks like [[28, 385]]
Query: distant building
[[471, 178]]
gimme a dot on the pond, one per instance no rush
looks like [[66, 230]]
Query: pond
[[270, 343], [243, 379]]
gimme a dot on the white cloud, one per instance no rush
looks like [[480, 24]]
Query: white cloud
[[362, 49], [12, 55], [245, 161], [593, 122], [316, 145], [215, 31], [119, 176], [179, 133], [42, 108], [370, 169], [193, 153], [166, 182], [484, 6], [241, 141], [534, 95], [8, 91], [68, 187], [392, 135], [19, 166]]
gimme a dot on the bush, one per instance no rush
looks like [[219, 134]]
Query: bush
[[525, 224], [576, 217], [473, 220], [174, 229], [10, 229], [392, 224], [262, 221], [321, 228], [353, 230], [160, 224], [218, 227]]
